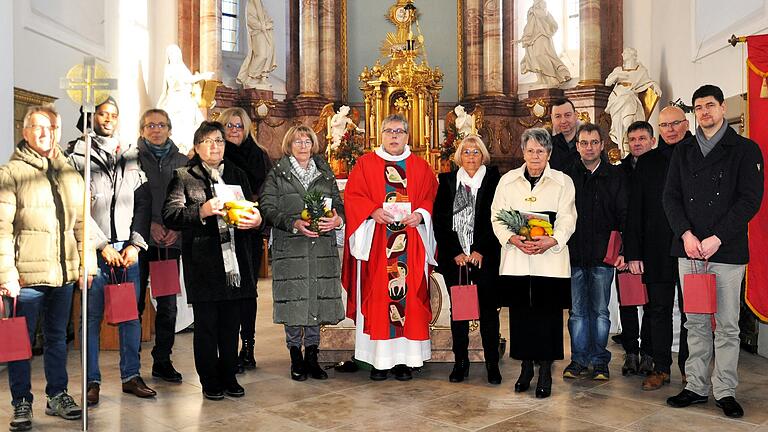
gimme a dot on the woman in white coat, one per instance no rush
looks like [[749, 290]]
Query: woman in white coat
[[535, 274]]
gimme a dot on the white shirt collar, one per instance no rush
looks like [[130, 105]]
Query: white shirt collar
[[391, 158]]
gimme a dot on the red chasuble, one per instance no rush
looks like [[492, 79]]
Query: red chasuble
[[366, 191]]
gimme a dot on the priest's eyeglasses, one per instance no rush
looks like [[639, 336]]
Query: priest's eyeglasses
[[389, 131], [235, 126], [671, 124], [158, 126]]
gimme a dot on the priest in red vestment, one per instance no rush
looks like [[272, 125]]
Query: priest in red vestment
[[388, 253]]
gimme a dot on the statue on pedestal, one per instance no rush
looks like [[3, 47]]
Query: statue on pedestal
[[540, 56], [630, 81], [465, 123], [260, 62], [178, 99]]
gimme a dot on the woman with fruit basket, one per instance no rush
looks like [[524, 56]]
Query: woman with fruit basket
[[301, 202], [216, 250], [534, 215]]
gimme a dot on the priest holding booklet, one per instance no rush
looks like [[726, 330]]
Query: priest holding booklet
[[386, 260]]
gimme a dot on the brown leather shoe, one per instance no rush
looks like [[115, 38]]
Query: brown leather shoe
[[137, 386], [655, 380], [93, 393]]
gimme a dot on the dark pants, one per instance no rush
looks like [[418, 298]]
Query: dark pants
[[248, 306], [55, 304], [489, 332], [165, 319], [682, 354], [215, 343]]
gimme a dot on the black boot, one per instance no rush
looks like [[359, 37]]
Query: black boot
[[494, 374], [526, 375], [312, 367], [544, 384], [460, 371], [245, 360], [298, 373]]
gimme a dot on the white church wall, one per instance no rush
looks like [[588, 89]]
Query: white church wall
[[6, 77]]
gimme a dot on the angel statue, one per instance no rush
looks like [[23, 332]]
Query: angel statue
[[340, 123], [630, 81], [465, 123]]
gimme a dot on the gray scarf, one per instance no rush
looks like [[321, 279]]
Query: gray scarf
[[464, 217], [706, 145], [226, 234], [305, 176]]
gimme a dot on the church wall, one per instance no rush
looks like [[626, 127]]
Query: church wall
[[6, 77], [368, 26]]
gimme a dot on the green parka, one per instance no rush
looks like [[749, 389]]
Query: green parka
[[306, 272]]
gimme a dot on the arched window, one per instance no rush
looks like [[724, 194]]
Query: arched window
[[230, 28]]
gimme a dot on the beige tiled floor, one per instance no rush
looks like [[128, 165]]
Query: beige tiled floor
[[351, 402]]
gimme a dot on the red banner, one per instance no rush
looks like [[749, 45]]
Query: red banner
[[757, 101]]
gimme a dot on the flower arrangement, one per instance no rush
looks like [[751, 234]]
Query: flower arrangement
[[451, 138], [349, 148]]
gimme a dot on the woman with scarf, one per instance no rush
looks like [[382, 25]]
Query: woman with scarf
[[217, 257], [246, 154], [306, 272], [466, 246]]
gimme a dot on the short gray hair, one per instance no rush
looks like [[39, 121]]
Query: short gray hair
[[395, 118], [540, 135]]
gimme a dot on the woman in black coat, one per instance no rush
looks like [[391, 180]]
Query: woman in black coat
[[218, 274], [245, 153], [465, 240]]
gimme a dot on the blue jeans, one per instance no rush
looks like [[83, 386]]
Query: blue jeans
[[129, 331], [589, 321], [56, 305]]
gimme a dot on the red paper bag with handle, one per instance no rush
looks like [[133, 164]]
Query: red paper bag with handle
[[614, 247], [699, 291], [120, 301], [164, 277], [14, 336], [464, 303], [632, 291]]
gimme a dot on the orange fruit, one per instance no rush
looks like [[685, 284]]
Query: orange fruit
[[537, 231]]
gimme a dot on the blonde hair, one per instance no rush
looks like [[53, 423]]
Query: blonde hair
[[226, 115], [476, 140], [298, 130]]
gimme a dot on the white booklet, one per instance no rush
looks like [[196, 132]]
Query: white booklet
[[534, 215], [228, 193]]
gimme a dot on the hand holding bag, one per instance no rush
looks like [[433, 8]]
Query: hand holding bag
[[614, 247], [632, 291], [164, 277], [14, 336], [120, 301], [699, 291], [464, 303]]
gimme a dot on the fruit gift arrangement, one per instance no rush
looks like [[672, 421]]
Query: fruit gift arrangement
[[234, 210], [528, 227], [314, 209]]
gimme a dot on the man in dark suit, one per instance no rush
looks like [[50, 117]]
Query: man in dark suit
[[714, 188], [646, 247], [565, 121], [637, 357]]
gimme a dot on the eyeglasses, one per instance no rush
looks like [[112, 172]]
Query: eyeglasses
[[394, 131], [211, 141], [593, 143], [305, 143], [158, 126], [537, 152], [235, 126], [671, 124], [473, 152], [39, 129]]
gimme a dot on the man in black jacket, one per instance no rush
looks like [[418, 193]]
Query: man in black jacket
[[565, 121], [647, 240], [637, 357], [601, 203], [714, 187]]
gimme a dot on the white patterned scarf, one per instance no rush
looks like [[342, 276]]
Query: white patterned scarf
[[226, 233], [464, 206]]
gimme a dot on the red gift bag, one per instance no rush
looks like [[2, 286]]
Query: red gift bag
[[464, 303], [632, 290], [614, 246], [120, 301], [164, 277], [14, 336], [699, 291]]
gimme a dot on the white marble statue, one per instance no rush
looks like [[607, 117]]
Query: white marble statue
[[624, 106], [260, 61], [340, 122], [465, 122], [178, 99], [540, 56]]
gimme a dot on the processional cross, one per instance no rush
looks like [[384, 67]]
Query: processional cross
[[86, 84]]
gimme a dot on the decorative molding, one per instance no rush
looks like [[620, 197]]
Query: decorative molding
[[751, 22], [36, 18], [460, 47], [344, 52]]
